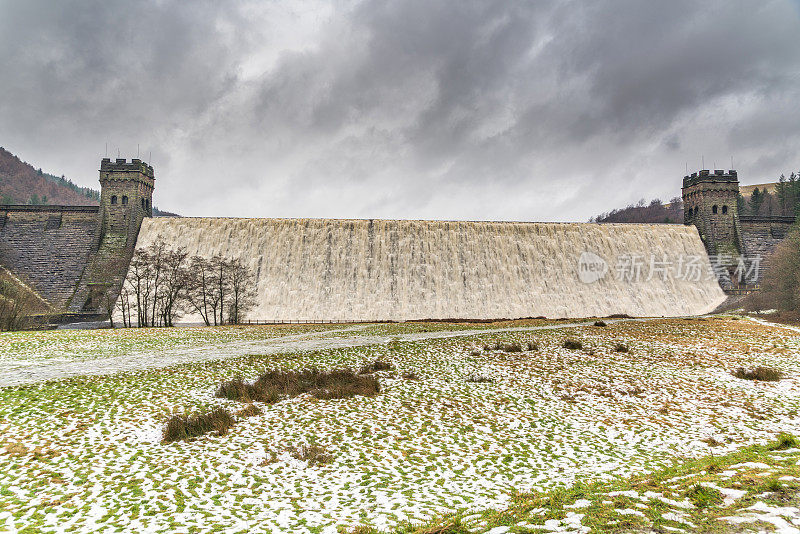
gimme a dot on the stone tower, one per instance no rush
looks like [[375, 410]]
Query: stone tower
[[126, 198], [126, 195], [710, 203]]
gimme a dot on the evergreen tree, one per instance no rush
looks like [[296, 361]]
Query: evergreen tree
[[756, 199]]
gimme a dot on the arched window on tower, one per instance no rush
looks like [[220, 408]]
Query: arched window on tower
[[124, 200], [113, 199], [724, 210], [714, 209]]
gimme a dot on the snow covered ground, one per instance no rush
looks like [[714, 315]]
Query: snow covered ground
[[84, 452]]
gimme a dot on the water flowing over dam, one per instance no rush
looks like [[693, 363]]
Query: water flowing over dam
[[370, 270]]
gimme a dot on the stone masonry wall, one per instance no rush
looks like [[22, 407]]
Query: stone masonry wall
[[48, 247]]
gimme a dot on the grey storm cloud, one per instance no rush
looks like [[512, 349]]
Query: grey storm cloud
[[452, 109]]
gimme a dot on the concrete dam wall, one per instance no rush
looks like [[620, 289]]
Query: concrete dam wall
[[367, 270]]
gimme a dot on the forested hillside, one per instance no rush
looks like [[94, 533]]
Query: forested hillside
[[778, 198], [21, 183], [654, 212]]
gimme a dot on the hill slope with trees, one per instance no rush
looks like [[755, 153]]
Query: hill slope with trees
[[778, 198], [21, 183]]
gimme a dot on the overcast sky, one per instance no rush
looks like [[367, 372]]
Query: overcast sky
[[453, 109]]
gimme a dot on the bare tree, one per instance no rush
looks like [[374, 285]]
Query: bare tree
[[242, 290], [200, 280], [219, 287], [17, 303], [173, 284], [780, 285]]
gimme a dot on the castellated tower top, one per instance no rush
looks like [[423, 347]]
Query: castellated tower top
[[126, 192], [706, 176], [121, 165], [710, 203]]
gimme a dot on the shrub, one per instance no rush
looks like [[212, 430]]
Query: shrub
[[476, 352], [762, 374], [512, 347], [781, 278], [600, 323], [186, 427], [270, 386], [249, 411], [479, 379], [621, 347], [312, 454], [785, 441], [377, 365], [532, 345], [239, 390], [572, 344], [410, 375], [703, 497]]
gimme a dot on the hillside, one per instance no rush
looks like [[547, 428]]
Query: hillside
[[655, 212], [20, 183]]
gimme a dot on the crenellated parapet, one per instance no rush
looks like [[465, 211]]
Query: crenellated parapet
[[710, 203]]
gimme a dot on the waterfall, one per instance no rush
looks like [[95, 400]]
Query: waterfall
[[369, 270]]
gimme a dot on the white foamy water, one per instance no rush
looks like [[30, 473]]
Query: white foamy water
[[368, 270]]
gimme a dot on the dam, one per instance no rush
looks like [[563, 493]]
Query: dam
[[398, 270]]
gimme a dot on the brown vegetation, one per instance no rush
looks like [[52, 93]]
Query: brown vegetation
[[312, 454], [762, 374], [780, 285], [186, 427], [20, 183], [17, 303], [572, 344], [272, 385], [377, 365], [479, 379]]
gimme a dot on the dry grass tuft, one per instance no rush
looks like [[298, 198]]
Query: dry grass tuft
[[377, 365], [479, 379], [621, 347], [761, 374], [785, 441], [532, 346], [572, 344], [272, 385], [410, 375], [600, 323], [312, 454], [186, 427], [249, 411]]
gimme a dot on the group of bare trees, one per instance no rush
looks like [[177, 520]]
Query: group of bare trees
[[780, 286], [165, 283], [17, 303]]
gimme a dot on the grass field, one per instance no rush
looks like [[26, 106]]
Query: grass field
[[470, 432]]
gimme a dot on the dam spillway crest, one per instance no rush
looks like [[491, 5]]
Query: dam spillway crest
[[75, 258], [396, 270]]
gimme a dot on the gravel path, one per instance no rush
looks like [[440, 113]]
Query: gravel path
[[39, 371]]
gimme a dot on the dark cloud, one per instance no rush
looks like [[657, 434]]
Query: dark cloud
[[547, 110]]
